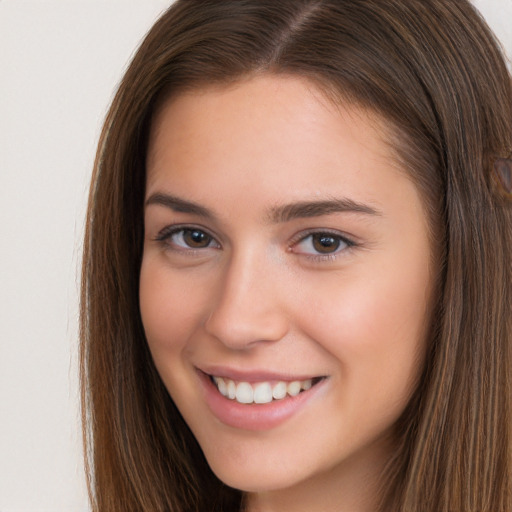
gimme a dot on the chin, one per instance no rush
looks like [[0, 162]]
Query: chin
[[259, 469], [255, 480]]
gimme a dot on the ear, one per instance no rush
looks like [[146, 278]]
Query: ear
[[503, 175]]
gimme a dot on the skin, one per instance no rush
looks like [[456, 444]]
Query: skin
[[257, 294]]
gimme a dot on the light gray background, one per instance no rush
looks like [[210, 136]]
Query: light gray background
[[60, 61]]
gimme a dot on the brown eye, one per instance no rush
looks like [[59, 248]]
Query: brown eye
[[183, 239], [322, 244], [195, 238], [325, 243]]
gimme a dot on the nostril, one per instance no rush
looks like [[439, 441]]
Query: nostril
[[242, 328]]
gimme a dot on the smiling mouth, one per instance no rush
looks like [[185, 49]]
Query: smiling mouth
[[263, 392]]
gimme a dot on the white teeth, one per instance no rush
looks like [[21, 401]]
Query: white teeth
[[279, 391], [244, 393], [306, 384], [261, 392], [231, 390], [293, 388], [223, 389]]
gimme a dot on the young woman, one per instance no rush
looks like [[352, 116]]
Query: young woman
[[297, 276]]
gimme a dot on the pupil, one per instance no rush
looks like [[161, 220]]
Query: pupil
[[195, 238], [325, 243]]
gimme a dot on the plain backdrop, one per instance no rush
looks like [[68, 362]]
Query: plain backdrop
[[60, 62]]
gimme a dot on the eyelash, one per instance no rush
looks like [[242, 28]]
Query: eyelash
[[166, 234], [341, 239]]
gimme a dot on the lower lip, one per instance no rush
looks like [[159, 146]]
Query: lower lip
[[255, 416]]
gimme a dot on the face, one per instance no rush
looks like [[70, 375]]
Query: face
[[285, 282]]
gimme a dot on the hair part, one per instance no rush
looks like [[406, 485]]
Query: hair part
[[433, 70]]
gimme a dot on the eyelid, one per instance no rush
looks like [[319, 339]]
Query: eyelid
[[167, 232], [348, 241]]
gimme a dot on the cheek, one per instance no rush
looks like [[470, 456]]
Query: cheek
[[375, 326], [168, 311]]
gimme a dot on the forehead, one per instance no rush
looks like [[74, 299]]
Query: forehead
[[280, 117]]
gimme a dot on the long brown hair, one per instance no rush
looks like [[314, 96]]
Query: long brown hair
[[433, 70]]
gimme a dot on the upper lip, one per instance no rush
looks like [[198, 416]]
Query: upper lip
[[253, 375]]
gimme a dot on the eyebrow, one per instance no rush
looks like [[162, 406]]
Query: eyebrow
[[277, 214], [179, 205], [306, 209]]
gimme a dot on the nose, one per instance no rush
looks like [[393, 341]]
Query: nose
[[247, 308]]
